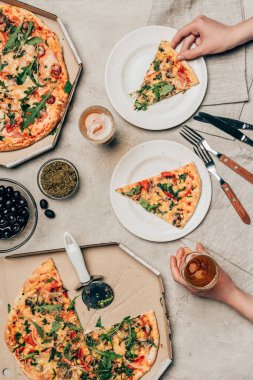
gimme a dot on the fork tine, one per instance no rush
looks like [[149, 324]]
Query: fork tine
[[200, 153], [188, 138], [193, 133], [207, 155]]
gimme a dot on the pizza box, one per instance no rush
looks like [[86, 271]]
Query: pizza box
[[138, 288], [74, 67]]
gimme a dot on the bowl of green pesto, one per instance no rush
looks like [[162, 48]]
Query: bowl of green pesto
[[58, 178]]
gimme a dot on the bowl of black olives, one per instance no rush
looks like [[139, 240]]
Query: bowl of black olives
[[18, 215]]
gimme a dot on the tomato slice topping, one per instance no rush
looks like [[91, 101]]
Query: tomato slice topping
[[41, 51]]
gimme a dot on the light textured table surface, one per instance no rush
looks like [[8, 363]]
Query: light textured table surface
[[210, 341]]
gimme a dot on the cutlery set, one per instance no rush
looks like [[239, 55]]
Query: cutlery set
[[203, 150]]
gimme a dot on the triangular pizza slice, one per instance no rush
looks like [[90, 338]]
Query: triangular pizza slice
[[165, 77], [44, 334], [172, 195]]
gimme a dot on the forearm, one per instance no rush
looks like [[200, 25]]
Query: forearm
[[241, 302], [242, 33]]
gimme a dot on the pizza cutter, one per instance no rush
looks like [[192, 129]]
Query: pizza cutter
[[96, 294]]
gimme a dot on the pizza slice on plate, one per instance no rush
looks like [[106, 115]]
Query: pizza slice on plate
[[171, 195], [44, 334], [165, 77]]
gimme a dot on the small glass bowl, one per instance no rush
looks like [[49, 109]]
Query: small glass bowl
[[82, 128], [49, 162], [15, 242]]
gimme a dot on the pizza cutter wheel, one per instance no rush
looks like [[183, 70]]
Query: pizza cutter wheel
[[96, 294]]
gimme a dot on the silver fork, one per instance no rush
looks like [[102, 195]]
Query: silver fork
[[196, 139], [209, 163]]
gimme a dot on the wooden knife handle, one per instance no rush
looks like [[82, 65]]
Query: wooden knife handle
[[236, 203], [236, 168]]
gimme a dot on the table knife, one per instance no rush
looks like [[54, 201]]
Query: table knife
[[226, 128], [232, 122]]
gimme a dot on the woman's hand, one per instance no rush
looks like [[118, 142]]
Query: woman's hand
[[209, 36], [223, 289]]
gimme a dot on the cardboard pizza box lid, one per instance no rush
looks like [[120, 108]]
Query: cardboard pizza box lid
[[138, 288], [74, 67]]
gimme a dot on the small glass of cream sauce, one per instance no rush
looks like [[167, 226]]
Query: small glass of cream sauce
[[96, 123]]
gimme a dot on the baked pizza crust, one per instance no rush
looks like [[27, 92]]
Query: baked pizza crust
[[54, 54]]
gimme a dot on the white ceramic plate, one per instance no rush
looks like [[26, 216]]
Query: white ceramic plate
[[125, 71], [144, 161]]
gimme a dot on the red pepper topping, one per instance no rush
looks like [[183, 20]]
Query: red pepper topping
[[30, 340], [145, 184], [169, 195], [168, 174], [9, 128]]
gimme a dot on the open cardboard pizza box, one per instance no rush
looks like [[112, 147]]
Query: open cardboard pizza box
[[74, 66], [137, 287]]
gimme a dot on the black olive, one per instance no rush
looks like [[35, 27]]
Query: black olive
[[9, 191], [12, 219], [22, 202], [20, 220], [16, 228], [7, 234], [6, 212], [3, 222], [24, 212], [8, 203], [1, 199], [13, 210], [2, 190], [16, 194], [44, 204], [50, 214]]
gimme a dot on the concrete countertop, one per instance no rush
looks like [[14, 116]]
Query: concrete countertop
[[210, 341]]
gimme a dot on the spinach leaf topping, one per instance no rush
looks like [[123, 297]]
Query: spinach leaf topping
[[147, 206], [39, 329], [68, 87], [34, 41], [28, 71], [17, 336], [48, 308], [182, 177], [140, 106], [162, 89], [2, 64], [133, 191], [157, 65], [13, 40], [33, 112], [99, 323], [55, 327]]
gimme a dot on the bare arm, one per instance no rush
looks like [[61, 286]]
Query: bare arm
[[224, 291], [211, 37]]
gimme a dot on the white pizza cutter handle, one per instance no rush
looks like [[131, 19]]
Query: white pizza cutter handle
[[76, 257]]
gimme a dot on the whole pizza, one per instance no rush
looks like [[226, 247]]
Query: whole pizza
[[34, 83], [44, 334]]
